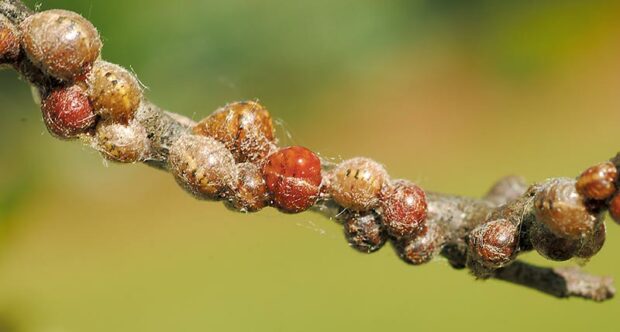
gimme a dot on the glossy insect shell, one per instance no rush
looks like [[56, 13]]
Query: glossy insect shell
[[593, 243], [62, 43], [552, 246], [404, 208], [114, 92], [494, 243], [245, 128], [203, 167], [614, 208], [356, 184], [598, 182], [250, 193], [67, 112], [563, 210], [293, 177]]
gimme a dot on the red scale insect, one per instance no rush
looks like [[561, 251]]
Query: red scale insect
[[404, 209], [293, 177], [67, 112]]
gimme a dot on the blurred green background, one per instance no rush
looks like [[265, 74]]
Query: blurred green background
[[452, 94]]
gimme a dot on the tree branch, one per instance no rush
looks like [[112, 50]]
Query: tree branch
[[559, 282], [453, 218]]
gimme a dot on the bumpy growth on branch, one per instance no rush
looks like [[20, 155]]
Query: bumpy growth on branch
[[233, 156]]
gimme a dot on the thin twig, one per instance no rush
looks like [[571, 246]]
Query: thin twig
[[509, 199]]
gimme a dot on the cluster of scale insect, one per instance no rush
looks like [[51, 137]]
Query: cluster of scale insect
[[233, 156], [86, 97], [567, 221]]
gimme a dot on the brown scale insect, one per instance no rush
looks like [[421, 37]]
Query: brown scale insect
[[62, 43], [563, 210], [67, 112], [115, 93], [203, 166], [423, 247], [122, 143], [598, 182], [614, 208], [9, 41], [551, 246], [245, 128], [494, 243], [364, 232], [593, 243], [404, 208], [356, 183], [250, 193]]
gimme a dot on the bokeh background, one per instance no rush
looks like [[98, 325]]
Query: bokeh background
[[452, 94]]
